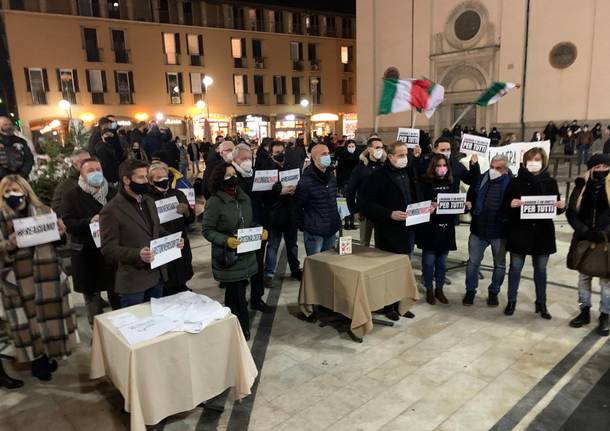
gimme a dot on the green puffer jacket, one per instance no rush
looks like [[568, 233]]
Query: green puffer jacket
[[222, 217]]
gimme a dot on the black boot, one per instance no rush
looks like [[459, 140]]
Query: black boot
[[584, 318], [510, 308], [541, 308], [604, 325], [41, 369], [468, 298], [8, 382], [440, 295]]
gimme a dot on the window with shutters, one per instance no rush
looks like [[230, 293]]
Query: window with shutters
[[164, 11], [312, 24], [171, 48], [312, 55], [347, 90], [331, 26], [238, 52], [240, 87], [347, 58], [259, 90], [296, 55], [278, 17], [297, 23], [88, 7], [257, 53], [96, 85], [123, 82], [257, 19], [187, 12], [197, 86], [174, 87], [315, 89], [346, 28], [194, 44], [279, 89], [37, 85], [68, 84], [91, 48], [296, 89], [121, 55], [238, 18]]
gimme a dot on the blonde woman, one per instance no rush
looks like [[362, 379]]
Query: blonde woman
[[34, 294]]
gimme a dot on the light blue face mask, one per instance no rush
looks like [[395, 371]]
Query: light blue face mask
[[95, 178], [325, 161]]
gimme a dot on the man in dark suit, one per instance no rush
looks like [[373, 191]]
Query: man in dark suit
[[127, 225]]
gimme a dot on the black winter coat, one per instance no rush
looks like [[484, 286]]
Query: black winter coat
[[279, 210], [346, 163], [91, 272], [458, 171], [438, 235], [106, 152], [357, 181], [170, 154], [181, 270], [152, 143], [530, 237], [379, 197], [295, 156], [316, 203], [589, 208], [18, 156]]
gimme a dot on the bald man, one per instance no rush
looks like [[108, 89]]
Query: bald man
[[15, 155], [316, 203]]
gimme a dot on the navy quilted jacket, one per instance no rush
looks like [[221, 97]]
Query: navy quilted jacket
[[316, 203]]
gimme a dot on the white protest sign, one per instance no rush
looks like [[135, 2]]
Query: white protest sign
[[165, 249], [40, 229], [290, 177], [249, 239], [451, 203], [538, 207], [95, 233], [408, 136], [345, 245], [264, 180], [418, 213], [166, 209], [342, 207], [190, 195], [473, 144], [514, 152]]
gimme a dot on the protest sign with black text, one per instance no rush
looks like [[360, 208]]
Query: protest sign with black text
[[451, 203], [165, 249], [473, 144], [36, 230], [538, 207], [264, 180], [408, 136]]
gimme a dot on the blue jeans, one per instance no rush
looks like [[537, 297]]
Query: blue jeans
[[476, 251], [514, 275], [129, 299], [583, 152], [315, 244], [273, 245], [434, 266], [584, 292]]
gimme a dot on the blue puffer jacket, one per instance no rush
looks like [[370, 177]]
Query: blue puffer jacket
[[316, 202]]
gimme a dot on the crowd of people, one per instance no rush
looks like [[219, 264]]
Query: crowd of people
[[117, 180]]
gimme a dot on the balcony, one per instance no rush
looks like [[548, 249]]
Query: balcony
[[348, 67], [241, 98], [314, 64], [297, 65], [240, 63], [259, 62], [262, 99], [93, 54], [196, 60], [121, 56], [280, 99]]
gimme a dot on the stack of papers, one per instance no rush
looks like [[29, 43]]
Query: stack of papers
[[183, 312]]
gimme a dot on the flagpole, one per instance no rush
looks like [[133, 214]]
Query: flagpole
[[376, 127], [464, 112], [414, 112]]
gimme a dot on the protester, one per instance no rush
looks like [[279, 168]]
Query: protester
[[584, 142], [227, 211], [108, 151], [437, 237], [95, 138], [297, 154], [384, 200], [495, 137], [568, 142], [487, 229], [223, 154], [530, 237], [137, 152], [35, 293], [597, 134], [71, 180], [15, 155], [127, 225], [183, 165], [371, 159], [459, 172], [91, 273], [589, 215], [347, 160], [179, 271], [316, 203], [194, 154], [138, 134], [536, 137], [152, 141], [279, 207], [550, 133], [607, 143], [170, 152]]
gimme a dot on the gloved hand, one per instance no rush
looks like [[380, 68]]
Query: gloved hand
[[594, 236], [232, 242], [182, 209], [265, 235]]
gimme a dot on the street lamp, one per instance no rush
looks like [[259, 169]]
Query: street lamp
[[66, 106], [207, 81], [307, 105]]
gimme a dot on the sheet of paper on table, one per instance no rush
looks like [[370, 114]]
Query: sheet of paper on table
[[191, 311], [122, 319], [147, 328]]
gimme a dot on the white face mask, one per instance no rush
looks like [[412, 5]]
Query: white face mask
[[447, 154], [494, 175], [533, 166], [378, 153], [401, 163], [351, 150], [246, 165]]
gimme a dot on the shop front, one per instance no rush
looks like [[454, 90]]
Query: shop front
[[177, 125], [220, 125], [253, 126], [350, 124], [287, 127], [323, 123]]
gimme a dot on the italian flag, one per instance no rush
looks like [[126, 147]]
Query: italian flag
[[400, 95], [495, 93]]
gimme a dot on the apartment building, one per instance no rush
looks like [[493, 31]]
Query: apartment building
[[254, 69]]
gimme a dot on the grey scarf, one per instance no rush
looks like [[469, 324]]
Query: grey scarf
[[99, 194]]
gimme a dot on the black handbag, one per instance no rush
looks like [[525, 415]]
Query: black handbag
[[590, 258]]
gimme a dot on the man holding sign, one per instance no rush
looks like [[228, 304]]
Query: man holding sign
[[459, 172], [128, 223], [533, 236]]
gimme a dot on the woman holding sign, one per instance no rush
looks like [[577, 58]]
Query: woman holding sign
[[531, 229], [226, 212], [34, 294]]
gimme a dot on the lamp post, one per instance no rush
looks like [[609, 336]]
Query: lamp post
[[307, 105], [207, 82], [66, 106]]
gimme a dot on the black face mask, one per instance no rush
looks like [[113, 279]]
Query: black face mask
[[230, 183], [163, 184], [599, 175], [279, 157], [14, 201], [139, 188]]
